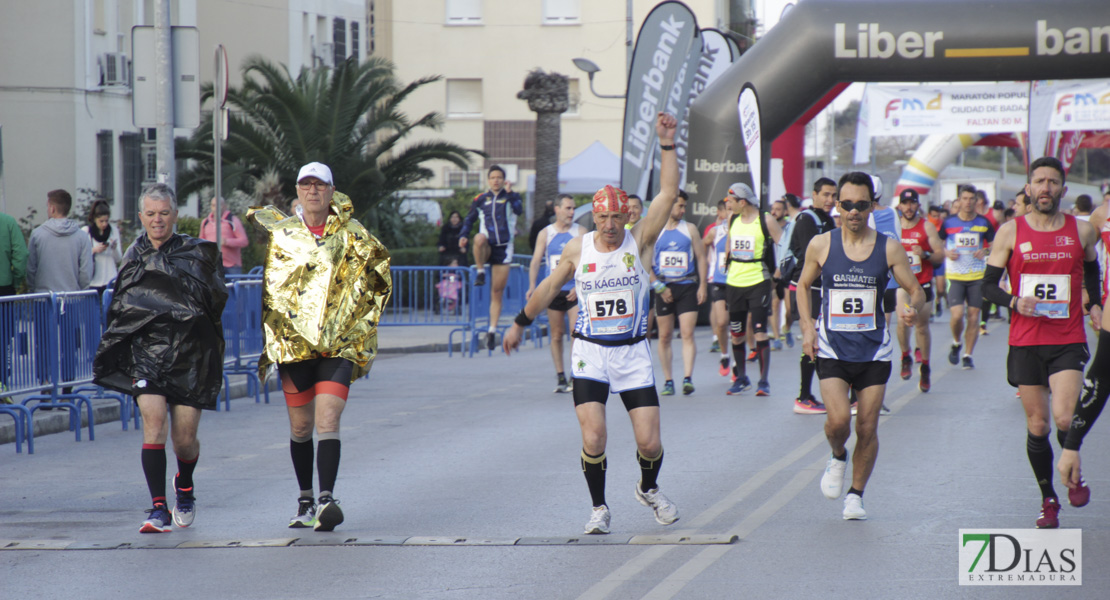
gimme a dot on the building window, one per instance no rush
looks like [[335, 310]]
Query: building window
[[354, 40], [339, 41], [463, 179], [574, 98], [105, 167], [464, 98], [464, 12], [561, 12], [510, 142], [131, 158]]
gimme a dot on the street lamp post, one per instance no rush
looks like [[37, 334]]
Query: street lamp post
[[590, 67]]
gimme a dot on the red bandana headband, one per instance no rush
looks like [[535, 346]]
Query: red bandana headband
[[611, 199]]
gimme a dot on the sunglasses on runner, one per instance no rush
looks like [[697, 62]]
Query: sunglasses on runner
[[848, 206]]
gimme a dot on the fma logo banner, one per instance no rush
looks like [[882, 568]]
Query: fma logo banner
[[1021, 557]]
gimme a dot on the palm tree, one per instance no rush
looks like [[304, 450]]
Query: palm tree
[[348, 117], [548, 96]]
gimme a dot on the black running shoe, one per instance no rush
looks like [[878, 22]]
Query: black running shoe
[[490, 340], [480, 279], [907, 365], [954, 354]]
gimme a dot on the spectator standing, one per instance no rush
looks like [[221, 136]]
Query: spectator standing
[[233, 237], [70, 266], [449, 240], [13, 267], [105, 246], [13, 255]]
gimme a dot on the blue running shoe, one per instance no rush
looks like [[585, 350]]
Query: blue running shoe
[[687, 386], [789, 339], [742, 384], [158, 521], [668, 389], [776, 345], [763, 389]]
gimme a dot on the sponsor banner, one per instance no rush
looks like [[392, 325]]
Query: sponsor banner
[[1000, 107], [1021, 557], [748, 107], [709, 61], [677, 101], [1081, 106], [1042, 93], [662, 49]]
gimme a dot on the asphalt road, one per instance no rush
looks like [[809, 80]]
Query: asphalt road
[[460, 478]]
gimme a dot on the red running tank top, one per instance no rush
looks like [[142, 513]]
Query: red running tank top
[[916, 236], [1049, 266]]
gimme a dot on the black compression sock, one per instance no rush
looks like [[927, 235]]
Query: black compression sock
[[808, 369], [764, 350], [593, 467], [154, 468], [855, 491], [1040, 458], [185, 472], [740, 359], [302, 453], [327, 461], [649, 470]]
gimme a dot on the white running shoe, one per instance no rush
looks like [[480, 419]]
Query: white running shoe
[[853, 508], [665, 511], [599, 520], [832, 482]]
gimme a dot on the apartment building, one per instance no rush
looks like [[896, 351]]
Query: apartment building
[[66, 87]]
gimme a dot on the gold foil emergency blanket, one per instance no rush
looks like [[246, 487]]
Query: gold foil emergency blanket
[[322, 297]]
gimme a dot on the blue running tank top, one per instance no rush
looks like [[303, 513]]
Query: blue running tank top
[[554, 250], [718, 259], [612, 289], [674, 255], [887, 221], [852, 326]]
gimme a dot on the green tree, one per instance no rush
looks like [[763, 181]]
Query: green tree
[[348, 117]]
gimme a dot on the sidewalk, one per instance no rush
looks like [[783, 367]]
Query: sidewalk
[[392, 341]]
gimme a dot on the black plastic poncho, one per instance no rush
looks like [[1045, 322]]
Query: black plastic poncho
[[163, 323]]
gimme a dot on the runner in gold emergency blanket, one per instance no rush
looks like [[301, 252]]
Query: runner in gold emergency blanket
[[323, 296]]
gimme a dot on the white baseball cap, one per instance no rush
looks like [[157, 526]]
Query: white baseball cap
[[318, 170]]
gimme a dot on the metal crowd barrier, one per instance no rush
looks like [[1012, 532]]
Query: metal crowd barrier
[[244, 341], [512, 301], [23, 335]]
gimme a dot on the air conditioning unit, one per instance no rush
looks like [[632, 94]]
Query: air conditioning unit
[[115, 69], [326, 54]]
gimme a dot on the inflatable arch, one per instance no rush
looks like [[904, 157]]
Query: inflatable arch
[[822, 43]]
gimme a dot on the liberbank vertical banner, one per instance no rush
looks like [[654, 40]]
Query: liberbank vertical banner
[[662, 48], [832, 41], [715, 55]]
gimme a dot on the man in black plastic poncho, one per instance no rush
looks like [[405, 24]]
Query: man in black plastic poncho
[[164, 345]]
